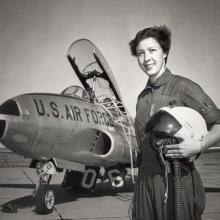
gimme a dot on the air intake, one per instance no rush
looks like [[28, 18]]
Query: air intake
[[9, 107]]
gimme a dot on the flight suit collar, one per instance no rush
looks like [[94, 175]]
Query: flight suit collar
[[164, 78]]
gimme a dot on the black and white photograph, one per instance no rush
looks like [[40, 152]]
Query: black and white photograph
[[109, 110]]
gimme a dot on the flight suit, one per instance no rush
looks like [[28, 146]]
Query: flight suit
[[148, 201]]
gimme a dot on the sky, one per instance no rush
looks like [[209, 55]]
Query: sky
[[35, 36]]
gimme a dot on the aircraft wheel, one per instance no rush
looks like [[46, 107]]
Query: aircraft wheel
[[44, 199], [118, 182]]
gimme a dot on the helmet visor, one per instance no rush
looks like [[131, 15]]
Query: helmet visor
[[163, 125]]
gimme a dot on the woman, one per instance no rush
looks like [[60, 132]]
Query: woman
[[151, 47]]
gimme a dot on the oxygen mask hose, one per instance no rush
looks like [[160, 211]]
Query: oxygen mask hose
[[177, 189], [177, 183]]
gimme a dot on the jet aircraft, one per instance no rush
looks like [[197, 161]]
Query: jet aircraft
[[83, 130]]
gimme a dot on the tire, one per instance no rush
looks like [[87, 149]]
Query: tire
[[44, 199]]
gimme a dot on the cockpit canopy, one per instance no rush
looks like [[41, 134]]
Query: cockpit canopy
[[79, 92], [92, 70], [76, 91]]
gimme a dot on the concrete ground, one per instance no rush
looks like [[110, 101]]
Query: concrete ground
[[17, 184]]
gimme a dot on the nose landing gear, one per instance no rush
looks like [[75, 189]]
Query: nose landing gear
[[44, 199], [43, 194]]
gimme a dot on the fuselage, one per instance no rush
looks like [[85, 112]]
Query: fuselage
[[44, 126]]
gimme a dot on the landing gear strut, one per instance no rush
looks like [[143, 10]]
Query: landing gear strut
[[43, 194]]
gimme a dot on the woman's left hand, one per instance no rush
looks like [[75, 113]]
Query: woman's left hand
[[189, 147]]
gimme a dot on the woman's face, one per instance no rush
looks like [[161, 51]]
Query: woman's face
[[151, 57]]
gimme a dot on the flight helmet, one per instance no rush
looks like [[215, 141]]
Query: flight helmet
[[178, 121]]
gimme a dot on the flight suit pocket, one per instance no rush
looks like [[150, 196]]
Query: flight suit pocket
[[162, 100]]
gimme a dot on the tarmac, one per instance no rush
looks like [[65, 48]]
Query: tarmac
[[17, 182]]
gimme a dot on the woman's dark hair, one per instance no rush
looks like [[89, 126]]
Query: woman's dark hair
[[161, 34]]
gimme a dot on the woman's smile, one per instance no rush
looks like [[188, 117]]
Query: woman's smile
[[151, 57]]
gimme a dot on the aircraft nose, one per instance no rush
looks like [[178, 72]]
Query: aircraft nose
[[2, 127]]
